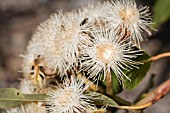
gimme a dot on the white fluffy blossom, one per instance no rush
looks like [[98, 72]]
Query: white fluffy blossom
[[107, 53], [131, 21], [94, 14], [69, 97], [94, 109], [34, 108], [28, 108], [27, 87], [59, 39]]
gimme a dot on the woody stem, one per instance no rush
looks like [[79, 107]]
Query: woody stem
[[153, 58]]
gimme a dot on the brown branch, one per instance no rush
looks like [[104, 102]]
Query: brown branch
[[151, 97], [157, 57], [156, 94]]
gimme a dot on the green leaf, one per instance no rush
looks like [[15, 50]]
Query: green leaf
[[11, 97], [117, 87], [101, 99], [161, 12], [137, 75]]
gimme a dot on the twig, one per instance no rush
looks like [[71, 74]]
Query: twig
[[136, 107], [156, 94], [109, 84], [151, 97], [157, 57]]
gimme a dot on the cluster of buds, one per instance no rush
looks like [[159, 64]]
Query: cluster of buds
[[95, 41]]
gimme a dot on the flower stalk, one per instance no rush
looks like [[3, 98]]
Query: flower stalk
[[109, 84]]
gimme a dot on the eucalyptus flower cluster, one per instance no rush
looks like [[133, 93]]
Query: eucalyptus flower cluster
[[95, 42]]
